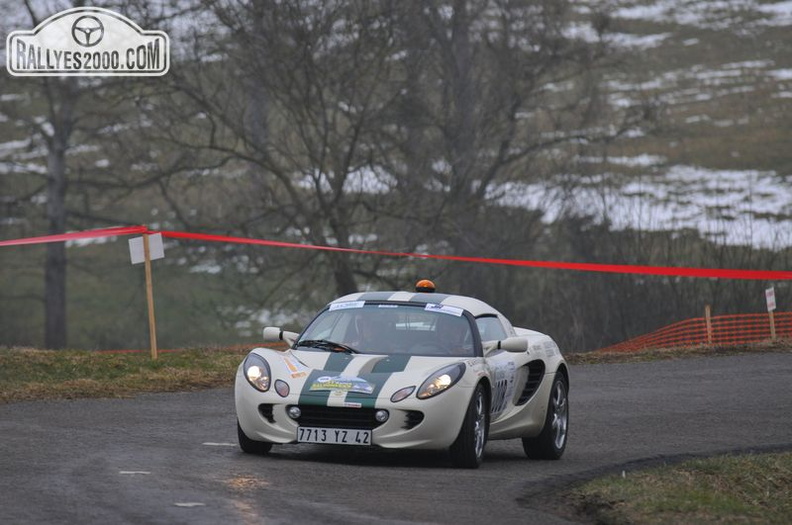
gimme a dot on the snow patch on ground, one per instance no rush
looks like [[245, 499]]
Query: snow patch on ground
[[748, 207]]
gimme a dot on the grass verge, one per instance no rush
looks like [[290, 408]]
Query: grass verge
[[28, 374], [659, 354], [723, 490]]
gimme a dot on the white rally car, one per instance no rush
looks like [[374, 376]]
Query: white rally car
[[417, 370]]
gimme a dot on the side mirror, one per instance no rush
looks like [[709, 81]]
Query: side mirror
[[510, 344], [275, 334], [515, 344]]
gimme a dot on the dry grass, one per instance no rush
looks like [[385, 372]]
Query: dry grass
[[29, 374], [658, 354], [726, 489]]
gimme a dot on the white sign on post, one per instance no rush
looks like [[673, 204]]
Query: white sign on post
[[770, 296], [144, 250], [156, 249]]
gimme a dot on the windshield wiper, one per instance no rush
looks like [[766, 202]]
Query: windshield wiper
[[326, 344]]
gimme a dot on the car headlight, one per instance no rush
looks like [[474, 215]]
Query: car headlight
[[441, 380], [257, 372]]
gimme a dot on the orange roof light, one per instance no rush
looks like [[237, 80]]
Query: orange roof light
[[425, 285]]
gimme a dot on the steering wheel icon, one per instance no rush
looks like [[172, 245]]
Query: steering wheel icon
[[87, 31]]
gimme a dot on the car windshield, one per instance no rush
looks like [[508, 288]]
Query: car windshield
[[391, 328]]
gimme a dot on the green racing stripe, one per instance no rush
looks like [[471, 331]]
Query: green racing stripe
[[392, 363], [378, 376], [337, 363]]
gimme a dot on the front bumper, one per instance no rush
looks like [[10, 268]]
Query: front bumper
[[432, 423]]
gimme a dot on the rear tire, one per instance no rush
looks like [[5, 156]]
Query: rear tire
[[468, 449], [250, 446], [551, 443]]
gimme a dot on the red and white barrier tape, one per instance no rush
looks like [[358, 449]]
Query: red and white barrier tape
[[674, 271]]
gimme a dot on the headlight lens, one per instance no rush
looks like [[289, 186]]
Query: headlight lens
[[441, 381], [257, 372]]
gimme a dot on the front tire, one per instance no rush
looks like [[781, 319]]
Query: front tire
[[551, 443], [468, 449], [250, 446]]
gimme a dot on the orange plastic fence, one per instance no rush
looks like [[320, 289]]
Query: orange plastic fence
[[725, 330]]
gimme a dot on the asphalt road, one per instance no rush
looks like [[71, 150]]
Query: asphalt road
[[172, 458]]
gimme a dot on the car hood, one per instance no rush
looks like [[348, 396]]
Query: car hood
[[335, 378]]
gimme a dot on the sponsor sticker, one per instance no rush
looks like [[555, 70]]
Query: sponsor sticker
[[346, 305], [444, 308], [342, 384], [296, 368], [503, 389], [87, 41]]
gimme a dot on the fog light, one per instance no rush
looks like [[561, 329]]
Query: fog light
[[381, 416], [294, 412]]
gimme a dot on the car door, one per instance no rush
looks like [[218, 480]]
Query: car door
[[501, 365]]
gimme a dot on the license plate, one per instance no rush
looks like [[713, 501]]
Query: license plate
[[334, 436]]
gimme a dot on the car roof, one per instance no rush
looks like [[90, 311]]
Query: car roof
[[475, 306]]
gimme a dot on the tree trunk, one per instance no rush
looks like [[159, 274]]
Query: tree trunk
[[464, 236], [343, 274], [61, 95], [55, 266]]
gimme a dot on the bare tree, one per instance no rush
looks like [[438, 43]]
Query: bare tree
[[497, 95], [290, 106], [444, 108]]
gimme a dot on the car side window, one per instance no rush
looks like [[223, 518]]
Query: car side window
[[490, 328]]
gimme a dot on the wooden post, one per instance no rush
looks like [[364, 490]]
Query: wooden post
[[708, 318], [771, 305], [150, 296]]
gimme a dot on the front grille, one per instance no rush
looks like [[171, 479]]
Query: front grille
[[337, 417], [412, 419], [266, 412], [536, 370]]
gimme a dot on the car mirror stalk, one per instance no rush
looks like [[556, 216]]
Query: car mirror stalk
[[510, 344]]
